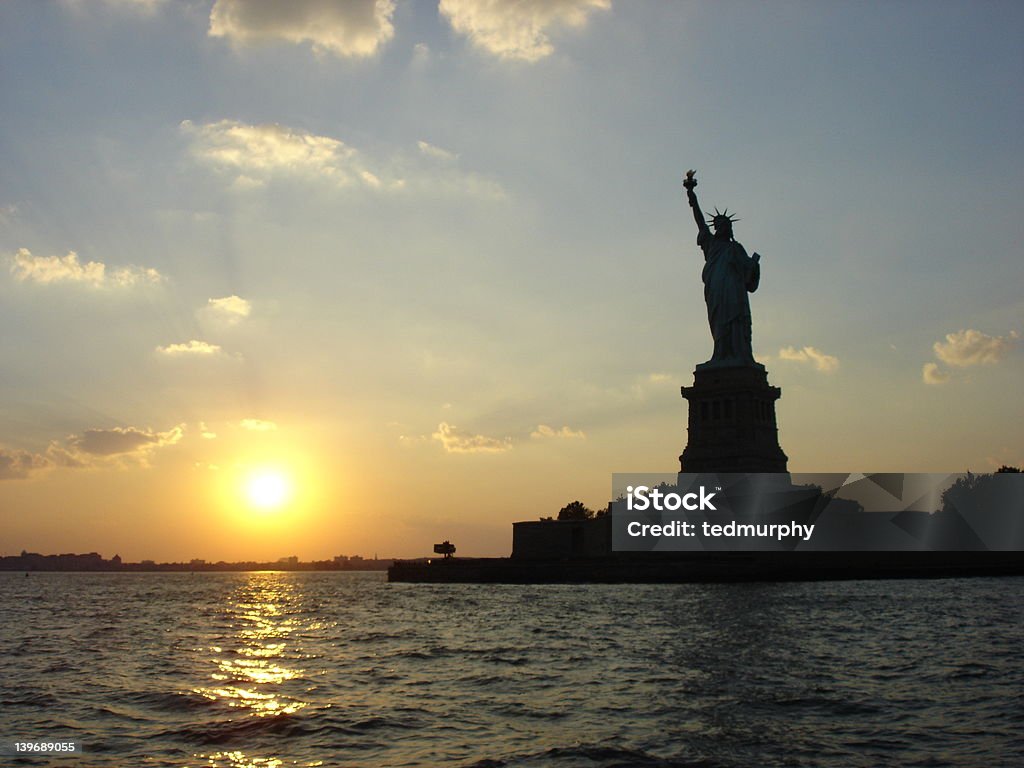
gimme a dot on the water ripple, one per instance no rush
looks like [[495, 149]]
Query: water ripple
[[275, 670]]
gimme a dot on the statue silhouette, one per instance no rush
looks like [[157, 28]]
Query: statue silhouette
[[728, 275]]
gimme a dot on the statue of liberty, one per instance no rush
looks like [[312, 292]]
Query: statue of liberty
[[728, 275]]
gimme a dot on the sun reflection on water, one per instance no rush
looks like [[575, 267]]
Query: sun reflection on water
[[257, 659], [239, 759], [258, 665]]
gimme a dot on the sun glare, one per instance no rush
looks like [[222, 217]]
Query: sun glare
[[267, 489]]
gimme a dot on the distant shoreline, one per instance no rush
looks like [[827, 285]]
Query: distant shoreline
[[92, 562], [240, 569]]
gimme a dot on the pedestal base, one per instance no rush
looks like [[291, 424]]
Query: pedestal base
[[732, 425]]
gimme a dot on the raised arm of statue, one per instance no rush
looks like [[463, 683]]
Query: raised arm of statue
[[689, 183], [698, 215]]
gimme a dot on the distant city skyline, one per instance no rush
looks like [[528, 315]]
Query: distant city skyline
[[95, 561], [362, 276]]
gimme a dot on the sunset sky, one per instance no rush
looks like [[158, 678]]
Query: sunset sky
[[318, 278]]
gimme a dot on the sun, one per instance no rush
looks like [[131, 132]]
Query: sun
[[268, 489]]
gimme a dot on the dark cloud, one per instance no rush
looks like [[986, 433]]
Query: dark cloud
[[122, 440]]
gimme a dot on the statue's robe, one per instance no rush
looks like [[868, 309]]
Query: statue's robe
[[729, 274]]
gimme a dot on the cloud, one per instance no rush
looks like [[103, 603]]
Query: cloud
[[969, 347], [257, 425], [257, 154], [932, 374], [16, 465], [205, 432], [59, 456], [643, 385], [68, 269], [123, 440], [264, 150], [229, 310], [347, 28], [455, 440], [192, 348], [820, 361], [92, 448], [517, 30], [544, 431], [436, 152]]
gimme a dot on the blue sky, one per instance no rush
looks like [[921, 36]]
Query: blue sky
[[443, 251]]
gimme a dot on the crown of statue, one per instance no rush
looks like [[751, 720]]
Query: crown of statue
[[721, 217]]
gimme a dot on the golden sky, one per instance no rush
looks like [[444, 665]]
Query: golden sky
[[353, 278]]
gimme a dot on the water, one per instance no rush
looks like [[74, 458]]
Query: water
[[307, 669]]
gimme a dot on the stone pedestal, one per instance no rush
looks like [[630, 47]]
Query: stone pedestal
[[732, 425]]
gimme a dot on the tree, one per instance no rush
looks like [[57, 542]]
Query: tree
[[976, 487], [575, 511]]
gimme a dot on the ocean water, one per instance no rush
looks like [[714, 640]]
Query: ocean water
[[341, 669]]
